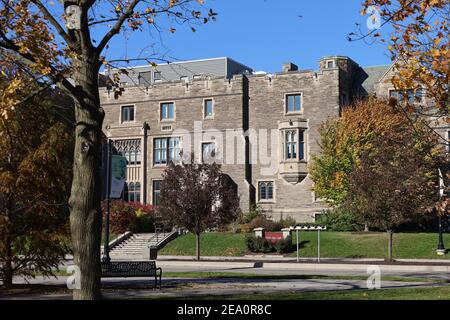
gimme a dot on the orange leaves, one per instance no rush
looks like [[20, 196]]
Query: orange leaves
[[420, 45], [29, 33]]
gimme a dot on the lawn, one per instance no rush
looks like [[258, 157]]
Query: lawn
[[333, 245]]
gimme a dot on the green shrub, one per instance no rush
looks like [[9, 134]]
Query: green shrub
[[254, 212], [260, 245], [340, 220], [287, 222], [263, 222], [145, 216], [284, 246]]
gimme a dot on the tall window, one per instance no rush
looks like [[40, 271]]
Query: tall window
[[291, 145], [208, 152], [133, 192], [156, 192], [265, 190], [293, 103], [294, 145], [166, 150], [127, 113], [167, 111], [208, 108]]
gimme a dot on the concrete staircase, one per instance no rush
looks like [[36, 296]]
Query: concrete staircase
[[132, 248]]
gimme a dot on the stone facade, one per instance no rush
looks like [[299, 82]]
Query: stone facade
[[248, 127]]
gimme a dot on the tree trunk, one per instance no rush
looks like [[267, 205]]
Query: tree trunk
[[390, 234], [197, 246], [85, 198]]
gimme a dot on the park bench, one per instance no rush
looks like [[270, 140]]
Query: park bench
[[130, 269]]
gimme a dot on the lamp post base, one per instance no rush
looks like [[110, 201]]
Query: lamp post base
[[440, 252]]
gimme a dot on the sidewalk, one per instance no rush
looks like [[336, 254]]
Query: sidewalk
[[281, 259]]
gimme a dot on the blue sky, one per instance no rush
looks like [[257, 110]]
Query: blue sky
[[265, 33]]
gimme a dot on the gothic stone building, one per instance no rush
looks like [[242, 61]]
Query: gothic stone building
[[262, 128]]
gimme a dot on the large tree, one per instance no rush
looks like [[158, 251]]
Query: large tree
[[35, 176], [392, 184], [345, 140], [417, 34], [63, 42], [198, 196]]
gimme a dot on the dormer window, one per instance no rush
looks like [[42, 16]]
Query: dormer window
[[330, 64]]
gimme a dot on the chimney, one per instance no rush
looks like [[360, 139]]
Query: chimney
[[289, 66]]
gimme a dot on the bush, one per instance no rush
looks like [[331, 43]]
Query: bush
[[254, 212], [261, 245], [284, 246], [256, 245], [244, 228], [122, 216], [288, 222], [340, 220], [263, 222], [145, 217]]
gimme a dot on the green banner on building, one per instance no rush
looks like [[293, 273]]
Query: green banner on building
[[118, 175]]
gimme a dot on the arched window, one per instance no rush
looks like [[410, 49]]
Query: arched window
[[130, 149]]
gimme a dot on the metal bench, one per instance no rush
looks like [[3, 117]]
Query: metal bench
[[130, 269]]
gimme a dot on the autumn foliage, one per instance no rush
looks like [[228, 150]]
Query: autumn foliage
[[198, 196], [35, 176], [357, 132], [419, 46]]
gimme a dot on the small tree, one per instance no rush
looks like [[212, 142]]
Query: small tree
[[391, 186], [35, 177], [198, 197]]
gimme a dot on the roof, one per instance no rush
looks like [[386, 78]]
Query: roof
[[370, 76]]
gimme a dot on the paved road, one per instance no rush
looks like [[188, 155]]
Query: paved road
[[140, 288], [263, 268], [178, 287]]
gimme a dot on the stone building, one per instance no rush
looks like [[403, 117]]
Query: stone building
[[262, 128]]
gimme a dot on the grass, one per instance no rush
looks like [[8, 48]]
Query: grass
[[211, 244], [436, 293], [332, 245]]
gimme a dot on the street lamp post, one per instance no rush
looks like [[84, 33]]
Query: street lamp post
[[105, 257], [440, 248]]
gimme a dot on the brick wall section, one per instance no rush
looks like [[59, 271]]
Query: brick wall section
[[267, 108], [188, 100]]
